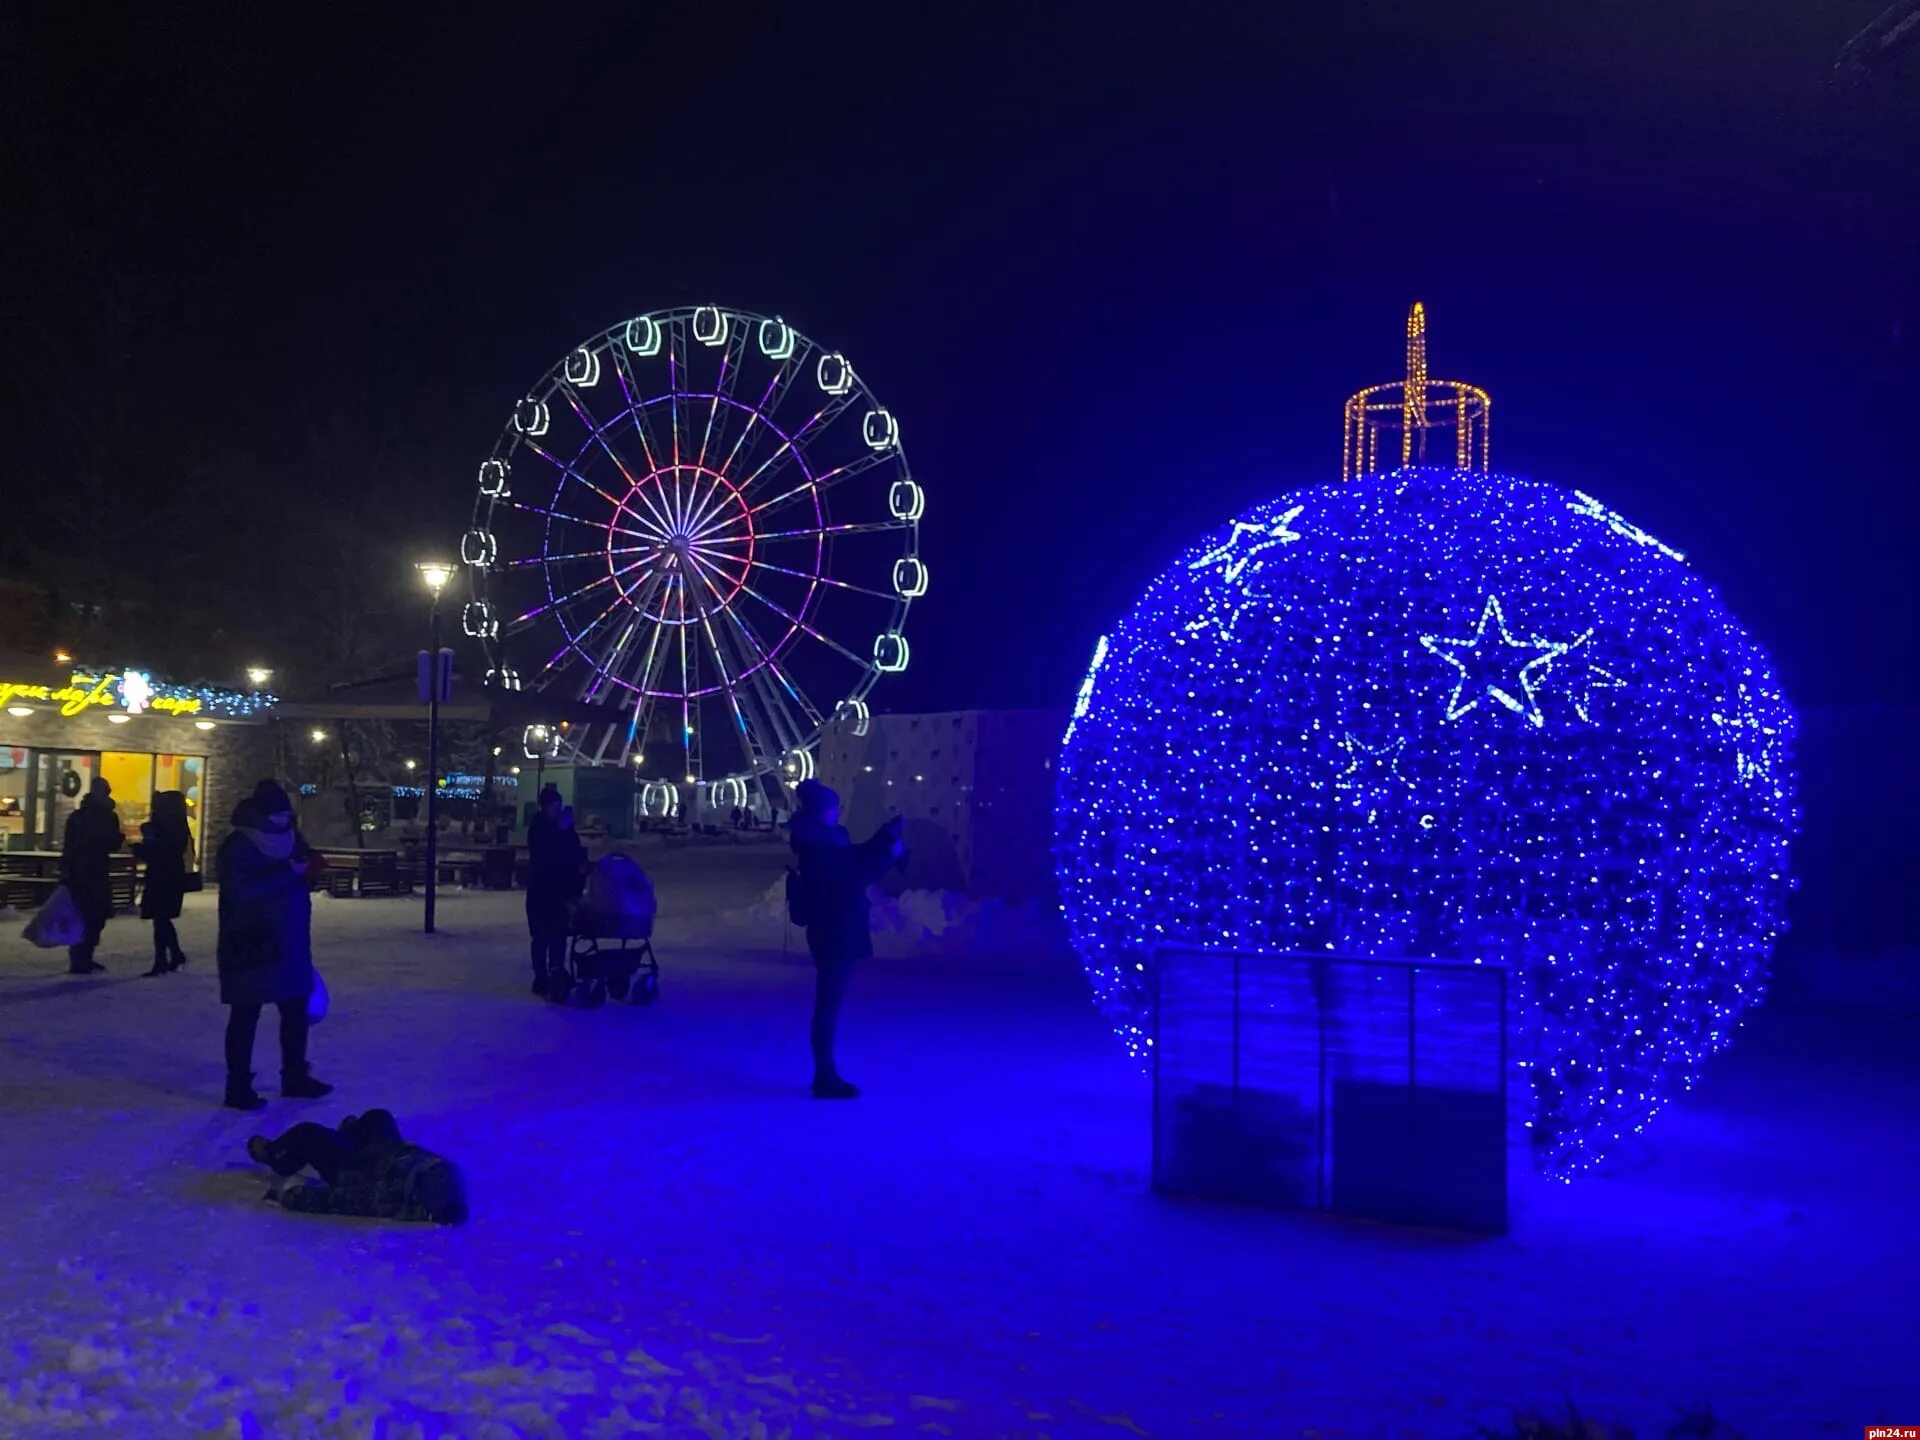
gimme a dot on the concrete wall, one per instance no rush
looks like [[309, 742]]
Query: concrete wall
[[974, 786]]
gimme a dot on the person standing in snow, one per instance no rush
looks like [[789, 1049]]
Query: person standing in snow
[[92, 835], [365, 1168], [556, 870], [266, 942], [165, 847], [834, 874]]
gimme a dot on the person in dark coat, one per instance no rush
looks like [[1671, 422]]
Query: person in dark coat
[[556, 870], [834, 876], [266, 942], [165, 847], [365, 1168], [92, 835]]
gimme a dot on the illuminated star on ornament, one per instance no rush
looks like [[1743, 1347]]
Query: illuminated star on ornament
[[1517, 693], [1376, 761], [1235, 559], [1593, 679], [1241, 557], [1755, 742]]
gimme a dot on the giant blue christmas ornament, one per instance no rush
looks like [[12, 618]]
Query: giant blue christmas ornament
[[1439, 713]]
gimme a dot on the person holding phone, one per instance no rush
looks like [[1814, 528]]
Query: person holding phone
[[834, 874], [266, 942]]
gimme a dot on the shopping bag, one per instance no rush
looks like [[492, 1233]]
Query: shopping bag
[[317, 1000], [57, 923]]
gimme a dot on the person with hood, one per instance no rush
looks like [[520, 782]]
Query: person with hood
[[266, 942], [92, 835], [365, 1168], [833, 876], [556, 870], [166, 848]]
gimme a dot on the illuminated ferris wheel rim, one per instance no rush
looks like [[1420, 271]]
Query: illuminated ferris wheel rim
[[686, 542]]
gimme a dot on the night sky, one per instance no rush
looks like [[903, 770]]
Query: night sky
[[1114, 275]]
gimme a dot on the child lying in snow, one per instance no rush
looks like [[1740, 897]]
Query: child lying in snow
[[365, 1168]]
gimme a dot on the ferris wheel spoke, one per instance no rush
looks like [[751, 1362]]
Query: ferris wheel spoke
[[707, 570], [757, 662], [820, 484], [568, 472], [586, 524], [599, 433], [676, 348], [704, 512], [790, 446], [659, 517], [712, 525], [636, 405], [728, 684], [580, 555], [714, 556], [577, 642], [777, 688], [555, 602], [870, 527], [846, 585], [801, 625], [723, 387], [770, 399], [764, 655], [604, 668], [607, 667]]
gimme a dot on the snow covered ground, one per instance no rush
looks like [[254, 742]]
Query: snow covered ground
[[670, 1238]]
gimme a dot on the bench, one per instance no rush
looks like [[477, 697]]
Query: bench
[[380, 874], [361, 872], [26, 892]]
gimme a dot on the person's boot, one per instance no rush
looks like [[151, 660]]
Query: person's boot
[[540, 983], [241, 1094], [160, 967], [832, 1087], [304, 1087], [178, 962]]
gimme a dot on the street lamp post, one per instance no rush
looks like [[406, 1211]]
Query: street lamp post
[[435, 576]]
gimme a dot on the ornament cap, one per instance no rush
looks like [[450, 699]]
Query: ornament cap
[[1412, 409]]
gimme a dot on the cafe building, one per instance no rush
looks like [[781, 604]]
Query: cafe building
[[63, 725]]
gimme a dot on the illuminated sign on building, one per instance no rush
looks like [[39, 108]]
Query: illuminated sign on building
[[134, 692]]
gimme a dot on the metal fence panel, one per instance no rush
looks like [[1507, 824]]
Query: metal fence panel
[[1369, 1087]]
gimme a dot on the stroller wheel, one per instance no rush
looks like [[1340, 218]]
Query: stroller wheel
[[618, 984], [646, 988], [593, 994]]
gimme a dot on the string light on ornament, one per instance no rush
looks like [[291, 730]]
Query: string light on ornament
[[1492, 681], [1612, 825], [1592, 677], [1247, 543], [1585, 504], [1085, 697]]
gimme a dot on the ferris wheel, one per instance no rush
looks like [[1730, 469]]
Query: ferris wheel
[[700, 527]]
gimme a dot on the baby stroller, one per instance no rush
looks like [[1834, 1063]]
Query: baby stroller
[[610, 945]]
